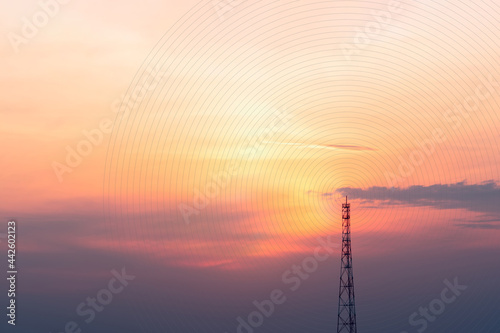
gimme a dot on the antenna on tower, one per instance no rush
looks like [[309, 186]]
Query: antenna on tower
[[346, 319]]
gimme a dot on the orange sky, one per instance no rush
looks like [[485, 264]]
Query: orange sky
[[220, 87]]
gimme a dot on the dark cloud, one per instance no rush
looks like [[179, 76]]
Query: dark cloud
[[481, 223], [483, 198], [475, 225]]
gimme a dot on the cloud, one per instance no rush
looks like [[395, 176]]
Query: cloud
[[482, 223], [315, 146], [351, 147], [475, 225], [483, 198]]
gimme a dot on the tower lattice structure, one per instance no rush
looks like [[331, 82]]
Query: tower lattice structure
[[346, 320]]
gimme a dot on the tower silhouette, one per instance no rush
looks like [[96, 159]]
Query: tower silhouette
[[346, 320]]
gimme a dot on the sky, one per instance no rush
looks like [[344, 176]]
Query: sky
[[205, 148]]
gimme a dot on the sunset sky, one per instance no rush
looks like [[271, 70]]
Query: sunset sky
[[207, 148]]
